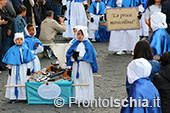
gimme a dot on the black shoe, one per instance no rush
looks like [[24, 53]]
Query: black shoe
[[3, 68]]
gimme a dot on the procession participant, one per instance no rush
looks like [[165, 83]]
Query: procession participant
[[81, 56], [143, 92], [160, 39], [18, 59], [96, 10], [76, 15], [34, 45], [152, 6], [124, 40], [143, 50], [144, 29]]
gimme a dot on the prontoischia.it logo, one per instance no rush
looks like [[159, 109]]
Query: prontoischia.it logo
[[109, 102]]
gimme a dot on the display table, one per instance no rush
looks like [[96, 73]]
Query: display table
[[34, 98]]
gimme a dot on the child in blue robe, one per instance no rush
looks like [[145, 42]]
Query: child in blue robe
[[81, 56], [34, 45], [143, 97], [18, 59], [96, 10], [160, 39]]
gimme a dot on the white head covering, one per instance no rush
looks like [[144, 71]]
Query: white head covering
[[138, 68], [27, 33], [18, 35], [84, 29], [158, 20]]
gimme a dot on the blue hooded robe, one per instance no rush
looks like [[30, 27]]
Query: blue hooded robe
[[131, 3], [93, 7], [141, 89], [111, 3], [13, 55], [160, 42]]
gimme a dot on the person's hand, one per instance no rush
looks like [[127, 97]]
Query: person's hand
[[64, 7], [36, 45], [85, 7], [91, 20], [9, 32], [61, 20], [75, 55], [147, 21], [9, 72], [28, 72], [4, 22], [140, 15], [44, 2], [157, 57]]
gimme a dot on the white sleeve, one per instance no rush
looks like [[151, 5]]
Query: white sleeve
[[40, 49], [81, 54], [32, 3], [119, 3], [29, 64], [147, 14], [140, 8], [9, 66], [64, 2]]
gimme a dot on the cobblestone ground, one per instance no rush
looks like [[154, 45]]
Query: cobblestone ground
[[111, 84]]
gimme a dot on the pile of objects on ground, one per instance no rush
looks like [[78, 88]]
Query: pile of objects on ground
[[52, 73]]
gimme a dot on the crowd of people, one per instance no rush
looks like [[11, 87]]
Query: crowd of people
[[34, 23]]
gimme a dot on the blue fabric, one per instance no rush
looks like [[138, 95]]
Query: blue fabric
[[77, 75], [142, 89], [19, 25], [31, 41], [102, 35], [74, 40], [111, 3], [131, 3], [89, 56], [16, 3], [79, 0], [93, 7], [155, 69], [145, 3], [17, 79], [13, 55], [160, 42], [136, 3]]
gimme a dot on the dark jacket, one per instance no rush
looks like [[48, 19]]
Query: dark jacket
[[9, 7], [162, 82], [16, 3], [166, 10], [27, 4], [9, 26]]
